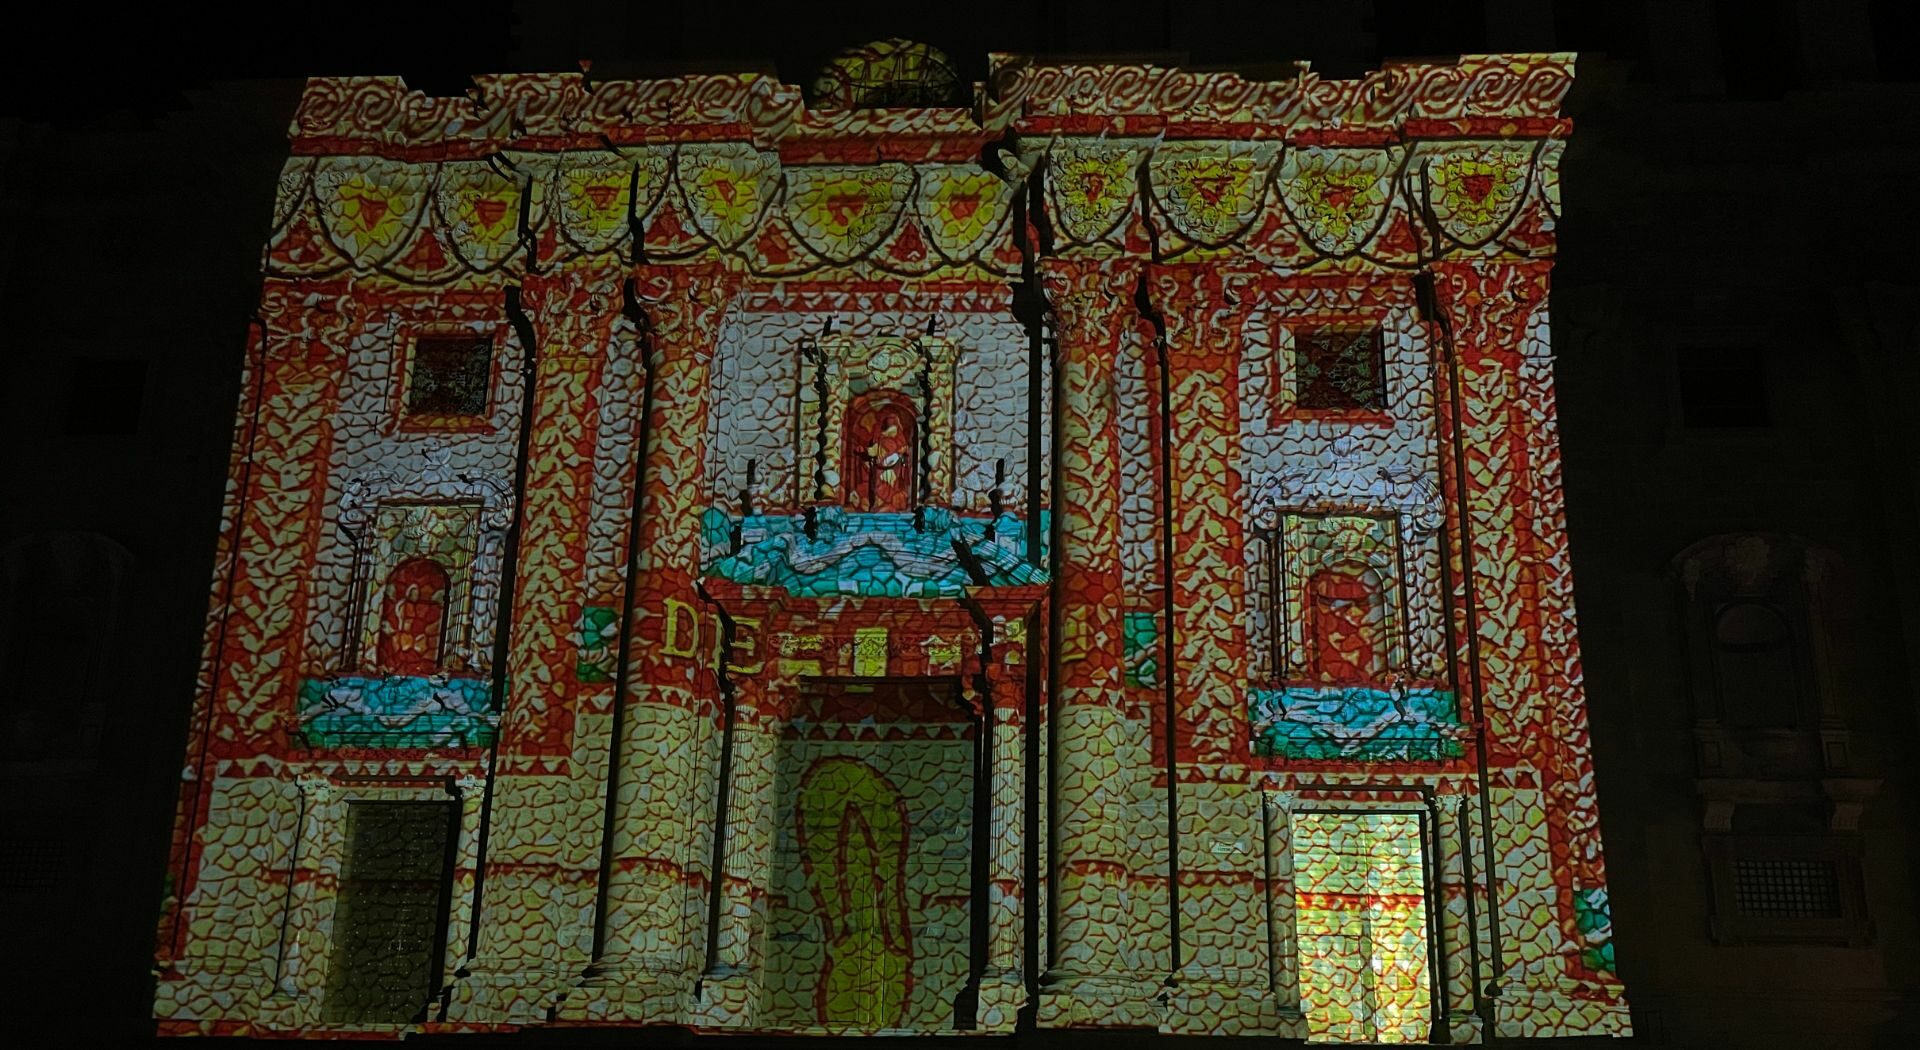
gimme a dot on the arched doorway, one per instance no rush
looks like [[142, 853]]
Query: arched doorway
[[879, 463]]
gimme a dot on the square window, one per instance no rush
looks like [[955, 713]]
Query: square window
[[1723, 387], [1343, 369], [34, 864], [451, 378]]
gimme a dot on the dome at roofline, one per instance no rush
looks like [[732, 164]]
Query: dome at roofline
[[887, 74]]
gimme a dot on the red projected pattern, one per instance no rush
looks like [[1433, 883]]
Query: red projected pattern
[[1108, 531]]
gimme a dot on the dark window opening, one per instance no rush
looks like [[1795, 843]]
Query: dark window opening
[[106, 396], [451, 376], [1787, 889], [1723, 387], [389, 924], [61, 599], [1341, 369], [34, 864]]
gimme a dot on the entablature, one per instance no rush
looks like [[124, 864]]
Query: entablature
[[1409, 163]]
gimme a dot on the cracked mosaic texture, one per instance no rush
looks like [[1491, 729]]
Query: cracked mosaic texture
[[1035, 556], [1361, 925]]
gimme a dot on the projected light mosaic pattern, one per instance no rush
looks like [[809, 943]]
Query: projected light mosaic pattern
[[1361, 926], [1080, 550]]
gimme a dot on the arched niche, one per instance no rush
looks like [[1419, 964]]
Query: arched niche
[[842, 376], [1763, 671], [455, 522]]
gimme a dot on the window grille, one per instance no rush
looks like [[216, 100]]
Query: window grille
[[33, 864], [1787, 889]]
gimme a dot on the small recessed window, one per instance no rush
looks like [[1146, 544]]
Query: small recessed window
[[106, 396], [1780, 888], [1723, 387], [450, 378], [1340, 369]]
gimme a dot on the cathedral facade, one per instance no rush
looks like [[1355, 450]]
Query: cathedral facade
[[1079, 550]]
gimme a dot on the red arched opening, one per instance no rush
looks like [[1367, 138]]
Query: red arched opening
[[878, 466], [414, 626], [1345, 626]]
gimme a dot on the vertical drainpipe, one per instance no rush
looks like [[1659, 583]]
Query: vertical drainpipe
[[643, 339], [1152, 316], [1429, 306], [503, 617], [1029, 308]]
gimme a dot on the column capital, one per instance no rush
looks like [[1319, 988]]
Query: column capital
[[573, 308], [1202, 309], [319, 788], [1202, 292], [1080, 290], [684, 304], [654, 282], [1491, 287], [1091, 304]]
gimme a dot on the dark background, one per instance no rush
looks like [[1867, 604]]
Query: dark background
[[1734, 310]]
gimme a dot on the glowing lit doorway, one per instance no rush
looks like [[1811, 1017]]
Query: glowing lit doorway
[[1361, 926]]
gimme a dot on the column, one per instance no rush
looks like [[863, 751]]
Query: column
[[538, 890], [1088, 980], [1545, 830], [277, 485], [1283, 949], [1223, 974], [731, 986], [653, 943], [1456, 933], [1003, 977]]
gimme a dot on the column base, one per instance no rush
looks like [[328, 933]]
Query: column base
[[1464, 1030], [1002, 996], [1204, 1003], [614, 994], [1545, 1009], [507, 997], [1107, 1001], [725, 1000]]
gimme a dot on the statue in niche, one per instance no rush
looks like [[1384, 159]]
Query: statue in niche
[[413, 629], [880, 468], [1344, 620]]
